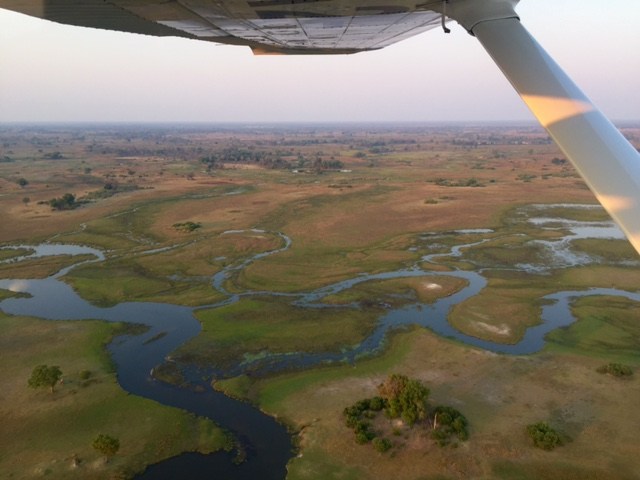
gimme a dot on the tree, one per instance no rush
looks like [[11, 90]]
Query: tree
[[405, 398], [106, 445], [45, 376], [23, 182]]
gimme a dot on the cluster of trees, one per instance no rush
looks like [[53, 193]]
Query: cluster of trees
[[269, 159], [405, 398], [358, 417], [54, 156], [470, 182], [241, 155], [447, 424], [66, 202]]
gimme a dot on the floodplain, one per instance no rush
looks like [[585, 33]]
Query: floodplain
[[299, 242]]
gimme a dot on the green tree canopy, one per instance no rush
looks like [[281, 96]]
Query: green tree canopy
[[106, 445], [45, 376], [406, 398]]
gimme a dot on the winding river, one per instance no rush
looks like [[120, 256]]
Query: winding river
[[265, 441]]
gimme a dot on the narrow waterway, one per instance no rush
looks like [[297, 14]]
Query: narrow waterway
[[265, 441]]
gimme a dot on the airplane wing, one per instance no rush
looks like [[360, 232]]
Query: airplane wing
[[608, 163], [267, 26]]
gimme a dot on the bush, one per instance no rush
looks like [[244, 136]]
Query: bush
[[362, 426], [448, 422], [616, 369], [381, 444], [544, 436], [352, 420], [187, 226], [106, 445]]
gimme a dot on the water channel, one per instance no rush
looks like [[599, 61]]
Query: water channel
[[265, 441]]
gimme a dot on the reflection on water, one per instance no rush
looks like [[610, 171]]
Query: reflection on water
[[562, 254]]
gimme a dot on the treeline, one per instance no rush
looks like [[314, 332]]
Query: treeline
[[68, 201], [268, 159]]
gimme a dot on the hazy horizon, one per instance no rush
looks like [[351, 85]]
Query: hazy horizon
[[58, 73]]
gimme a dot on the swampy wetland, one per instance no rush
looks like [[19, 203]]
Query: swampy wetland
[[231, 289]]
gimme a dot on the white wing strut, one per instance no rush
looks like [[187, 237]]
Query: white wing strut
[[608, 163]]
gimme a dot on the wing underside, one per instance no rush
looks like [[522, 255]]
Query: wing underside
[[267, 26]]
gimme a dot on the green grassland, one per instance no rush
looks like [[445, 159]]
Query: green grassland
[[7, 254], [42, 432], [607, 250], [41, 267], [501, 312], [112, 282], [606, 328], [254, 326], [577, 213], [9, 294]]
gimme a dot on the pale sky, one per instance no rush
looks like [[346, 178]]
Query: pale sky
[[51, 72]]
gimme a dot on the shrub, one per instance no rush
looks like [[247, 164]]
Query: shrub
[[381, 444], [544, 436], [362, 426], [187, 226], [352, 420], [616, 369], [448, 422], [362, 438], [106, 445]]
